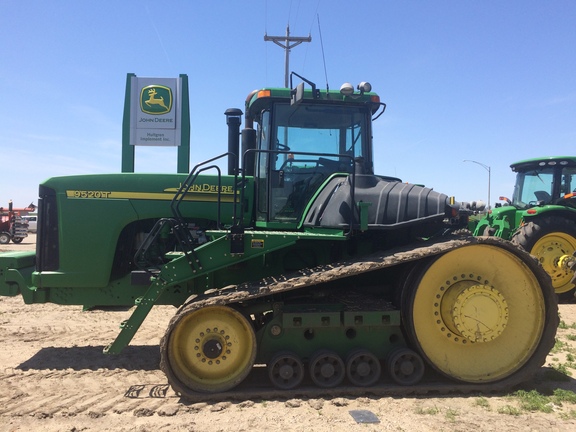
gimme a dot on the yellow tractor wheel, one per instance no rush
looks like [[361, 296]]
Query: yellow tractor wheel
[[478, 313], [211, 349], [550, 239]]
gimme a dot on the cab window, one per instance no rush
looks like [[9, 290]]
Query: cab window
[[307, 144]]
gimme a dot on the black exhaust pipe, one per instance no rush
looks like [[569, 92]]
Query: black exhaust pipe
[[233, 120]]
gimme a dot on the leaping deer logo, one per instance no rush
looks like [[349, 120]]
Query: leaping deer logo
[[156, 99], [152, 100]]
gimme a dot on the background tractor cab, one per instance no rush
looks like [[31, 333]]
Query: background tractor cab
[[542, 182]]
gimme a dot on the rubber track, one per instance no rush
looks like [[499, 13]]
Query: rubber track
[[257, 385]]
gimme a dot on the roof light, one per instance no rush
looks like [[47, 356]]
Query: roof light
[[364, 87], [263, 93], [346, 89]]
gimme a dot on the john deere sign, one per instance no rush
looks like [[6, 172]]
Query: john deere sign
[[153, 116]]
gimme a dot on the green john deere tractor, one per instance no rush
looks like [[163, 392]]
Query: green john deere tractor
[[300, 259], [541, 217]]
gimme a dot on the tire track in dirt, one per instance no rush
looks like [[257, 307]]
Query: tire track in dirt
[[57, 368], [86, 391]]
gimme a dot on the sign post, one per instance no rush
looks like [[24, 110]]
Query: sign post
[[156, 113]]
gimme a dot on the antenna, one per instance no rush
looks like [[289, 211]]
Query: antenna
[[323, 57], [287, 47]]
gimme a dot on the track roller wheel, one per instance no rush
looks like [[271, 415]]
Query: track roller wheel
[[362, 368], [327, 369], [286, 370], [211, 349], [481, 313], [405, 366]]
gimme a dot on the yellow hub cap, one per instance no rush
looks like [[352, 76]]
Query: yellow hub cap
[[477, 313], [212, 349], [549, 250], [471, 311]]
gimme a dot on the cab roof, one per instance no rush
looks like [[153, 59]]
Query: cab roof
[[543, 161], [260, 99]]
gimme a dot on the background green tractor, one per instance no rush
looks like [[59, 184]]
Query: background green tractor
[[541, 217]]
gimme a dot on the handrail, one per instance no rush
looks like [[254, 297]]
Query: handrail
[[187, 184]]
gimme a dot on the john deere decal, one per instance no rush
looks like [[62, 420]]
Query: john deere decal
[[156, 99]]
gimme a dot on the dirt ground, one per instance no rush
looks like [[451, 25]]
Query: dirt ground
[[54, 377]]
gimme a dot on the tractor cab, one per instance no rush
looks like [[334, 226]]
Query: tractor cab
[[544, 181], [303, 139]]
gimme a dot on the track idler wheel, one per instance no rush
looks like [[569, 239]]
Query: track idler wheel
[[405, 366], [327, 369], [211, 349], [363, 368], [286, 370]]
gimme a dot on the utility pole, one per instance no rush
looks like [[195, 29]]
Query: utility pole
[[287, 47]]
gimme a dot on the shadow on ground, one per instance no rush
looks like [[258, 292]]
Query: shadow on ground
[[133, 357]]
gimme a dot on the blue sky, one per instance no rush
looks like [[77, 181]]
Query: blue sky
[[492, 81]]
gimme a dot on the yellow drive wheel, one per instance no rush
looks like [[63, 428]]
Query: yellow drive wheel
[[476, 313], [211, 349], [549, 249], [550, 239]]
